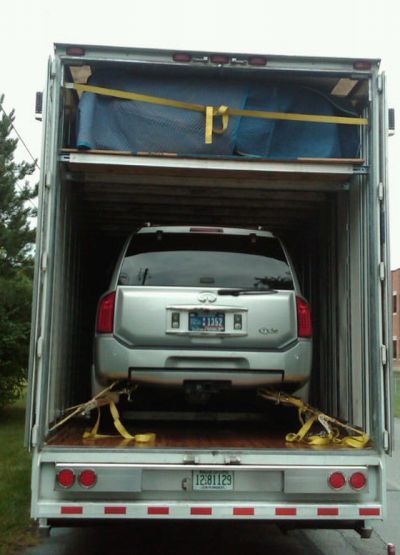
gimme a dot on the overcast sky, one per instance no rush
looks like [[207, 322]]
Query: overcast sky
[[350, 28]]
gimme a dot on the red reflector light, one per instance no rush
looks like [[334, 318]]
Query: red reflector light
[[337, 480], [358, 480], [257, 61], [286, 511], [75, 51], [201, 511], [87, 478], [182, 57], [66, 478], [158, 510], [206, 230], [112, 510], [328, 511], [370, 511], [362, 65], [68, 510], [219, 59], [105, 317], [243, 511], [304, 324]]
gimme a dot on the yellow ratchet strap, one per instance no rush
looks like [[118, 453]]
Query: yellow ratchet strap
[[309, 416], [215, 111], [94, 432], [105, 397]]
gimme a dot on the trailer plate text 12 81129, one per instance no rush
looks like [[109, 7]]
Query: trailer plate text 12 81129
[[212, 480]]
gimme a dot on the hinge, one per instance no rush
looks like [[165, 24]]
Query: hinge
[[382, 271], [48, 180], [53, 69], [381, 191], [44, 262], [34, 435], [384, 354], [379, 83], [385, 440], [191, 459], [232, 459], [39, 347]]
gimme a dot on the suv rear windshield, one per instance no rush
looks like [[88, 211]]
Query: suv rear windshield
[[205, 260]]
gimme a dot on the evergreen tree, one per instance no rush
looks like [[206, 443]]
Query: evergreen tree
[[16, 262]]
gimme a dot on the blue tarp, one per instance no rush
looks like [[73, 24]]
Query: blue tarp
[[115, 124]]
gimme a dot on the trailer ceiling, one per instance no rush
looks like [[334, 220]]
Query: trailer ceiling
[[115, 199]]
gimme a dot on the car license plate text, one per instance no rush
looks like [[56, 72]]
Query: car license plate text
[[206, 321]]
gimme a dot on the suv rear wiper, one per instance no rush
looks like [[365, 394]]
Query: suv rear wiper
[[237, 292]]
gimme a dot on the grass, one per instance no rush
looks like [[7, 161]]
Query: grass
[[16, 527]]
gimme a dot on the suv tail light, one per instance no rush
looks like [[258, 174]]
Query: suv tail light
[[105, 316], [304, 325]]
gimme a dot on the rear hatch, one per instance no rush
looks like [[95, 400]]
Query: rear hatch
[[198, 287]]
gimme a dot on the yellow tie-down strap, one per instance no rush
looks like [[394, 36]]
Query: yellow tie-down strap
[[332, 428], [224, 112], [110, 398]]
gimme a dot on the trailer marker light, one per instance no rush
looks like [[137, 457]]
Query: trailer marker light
[[257, 61], [304, 324], [243, 511], [182, 57], [87, 478], [105, 318], [75, 51], [66, 478], [219, 59], [201, 511], [285, 511], [158, 510], [358, 480], [114, 510], [337, 480]]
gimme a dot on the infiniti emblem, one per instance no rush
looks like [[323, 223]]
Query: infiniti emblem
[[207, 297]]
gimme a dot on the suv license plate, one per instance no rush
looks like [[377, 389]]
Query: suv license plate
[[212, 480], [206, 321]]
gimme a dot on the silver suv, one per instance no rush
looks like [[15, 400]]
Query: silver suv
[[204, 307]]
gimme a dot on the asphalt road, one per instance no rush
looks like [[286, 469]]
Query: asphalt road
[[176, 538], [195, 538]]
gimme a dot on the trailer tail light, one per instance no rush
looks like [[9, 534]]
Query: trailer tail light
[[304, 324], [257, 61], [87, 478], [337, 480], [105, 317], [182, 57], [66, 478], [358, 480], [362, 65], [219, 59], [76, 51]]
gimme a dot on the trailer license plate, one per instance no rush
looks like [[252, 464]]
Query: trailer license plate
[[212, 480], [206, 321]]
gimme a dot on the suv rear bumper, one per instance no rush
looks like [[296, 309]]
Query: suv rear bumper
[[114, 360]]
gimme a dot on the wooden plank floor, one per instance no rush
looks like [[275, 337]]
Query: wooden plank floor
[[183, 435]]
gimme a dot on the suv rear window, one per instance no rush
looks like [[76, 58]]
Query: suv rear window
[[205, 260]]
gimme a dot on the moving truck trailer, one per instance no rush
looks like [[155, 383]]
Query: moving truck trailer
[[292, 145]]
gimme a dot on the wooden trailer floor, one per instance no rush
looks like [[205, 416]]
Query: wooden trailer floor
[[184, 435]]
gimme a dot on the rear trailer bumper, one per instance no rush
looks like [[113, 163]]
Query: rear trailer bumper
[[275, 492], [175, 366]]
